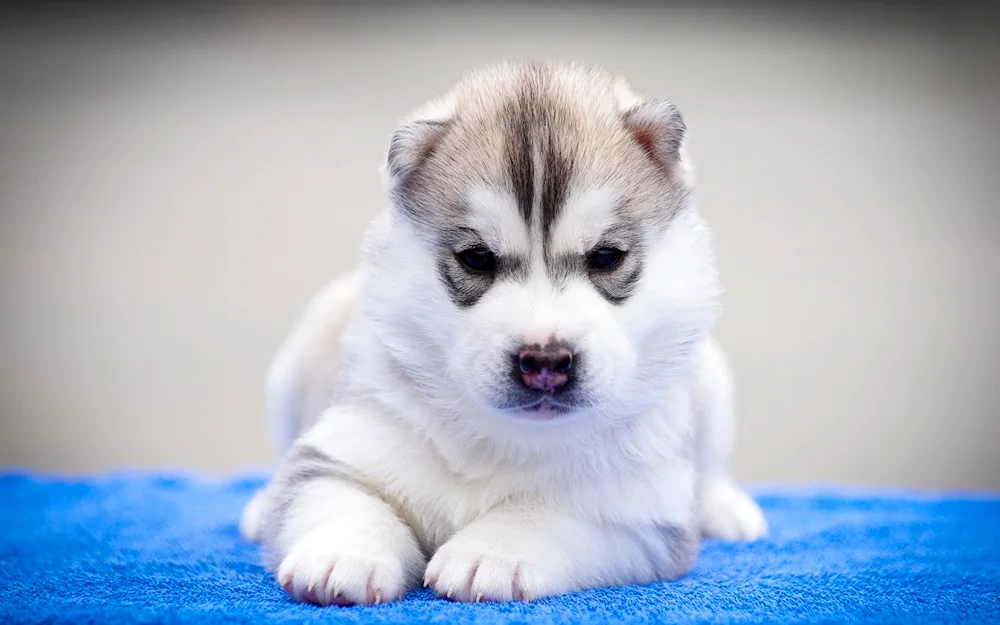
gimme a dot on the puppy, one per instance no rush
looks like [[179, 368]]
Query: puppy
[[517, 393]]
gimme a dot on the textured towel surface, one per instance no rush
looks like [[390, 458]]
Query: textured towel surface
[[140, 548]]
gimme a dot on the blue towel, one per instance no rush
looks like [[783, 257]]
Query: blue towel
[[130, 548]]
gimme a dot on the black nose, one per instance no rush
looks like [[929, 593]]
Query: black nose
[[546, 368]]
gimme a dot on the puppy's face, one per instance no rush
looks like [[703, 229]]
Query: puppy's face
[[547, 260]]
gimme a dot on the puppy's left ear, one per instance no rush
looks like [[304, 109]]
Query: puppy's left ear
[[658, 127]]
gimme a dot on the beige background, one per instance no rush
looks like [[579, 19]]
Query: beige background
[[173, 190]]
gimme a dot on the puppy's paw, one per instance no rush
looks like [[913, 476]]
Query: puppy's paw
[[466, 569], [327, 567], [728, 513], [250, 520]]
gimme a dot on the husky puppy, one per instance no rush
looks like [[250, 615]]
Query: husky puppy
[[517, 393]]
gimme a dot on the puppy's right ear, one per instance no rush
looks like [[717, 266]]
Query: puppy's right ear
[[410, 146], [413, 142], [415, 139]]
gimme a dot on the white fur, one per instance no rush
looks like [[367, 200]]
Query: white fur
[[394, 382]]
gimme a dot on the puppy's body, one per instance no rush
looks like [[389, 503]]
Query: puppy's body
[[517, 394]]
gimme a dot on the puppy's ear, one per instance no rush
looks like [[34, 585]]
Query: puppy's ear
[[658, 127], [413, 142], [410, 146]]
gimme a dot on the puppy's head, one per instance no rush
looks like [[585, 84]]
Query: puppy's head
[[542, 258]]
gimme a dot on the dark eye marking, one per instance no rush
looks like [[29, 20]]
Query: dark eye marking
[[478, 259], [605, 258], [614, 265]]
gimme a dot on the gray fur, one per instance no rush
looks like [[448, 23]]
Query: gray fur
[[683, 544], [669, 552], [464, 287], [302, 465]]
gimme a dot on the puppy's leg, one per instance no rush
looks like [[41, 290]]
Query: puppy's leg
[[527, 551], [299, 381], [332, 538], [250, 520], [727, 512]]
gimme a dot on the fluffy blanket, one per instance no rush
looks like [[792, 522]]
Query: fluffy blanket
[[131, 547]]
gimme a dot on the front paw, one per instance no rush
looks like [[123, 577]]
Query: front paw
[[327, 567], [466, 569], [729, 513]]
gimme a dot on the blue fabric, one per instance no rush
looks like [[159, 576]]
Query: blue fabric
[[139, 548]]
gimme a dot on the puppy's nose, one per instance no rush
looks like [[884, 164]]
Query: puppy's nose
[[546, 368]]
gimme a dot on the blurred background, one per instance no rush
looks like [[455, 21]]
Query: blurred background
[[176, 181]]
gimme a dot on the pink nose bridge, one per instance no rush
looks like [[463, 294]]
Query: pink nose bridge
[[546, 368]]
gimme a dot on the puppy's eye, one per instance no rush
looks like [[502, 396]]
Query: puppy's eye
[[477, 259], [604, 258]]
